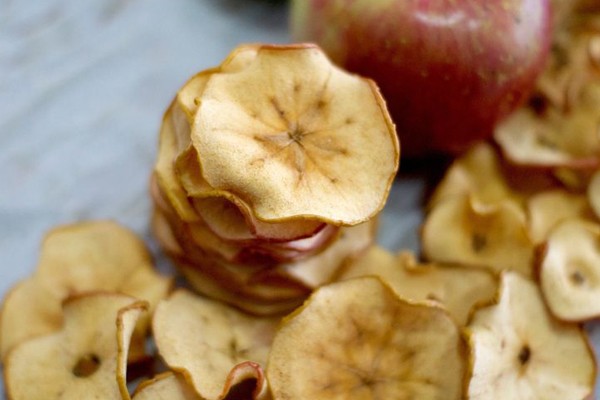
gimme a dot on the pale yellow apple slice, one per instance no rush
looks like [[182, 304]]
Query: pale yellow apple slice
[[358, 339], [570, 270], [87, 358], [556, 139], [165, 386], [88, 256], [548, 208], [519, 351], [464, 231], [477, 173], [300, 138], [205, 340], [458, 289]]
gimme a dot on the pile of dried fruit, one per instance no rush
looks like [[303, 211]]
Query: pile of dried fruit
[[271, 170], [510, 241]]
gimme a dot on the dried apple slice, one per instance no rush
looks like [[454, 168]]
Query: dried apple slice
[[207, 285], [593, 193], [458, 289], [166, 386], [548, 208], [164, 170], [358, 339], [99, 255], [87, 358], [301, 138], [557, 139], [206, 199], [205, 341], [322, 267], [519, 351], [570, 270], [477, 173], [464, 231]]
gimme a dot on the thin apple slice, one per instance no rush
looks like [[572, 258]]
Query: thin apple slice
[[166, 386], [593, 193], [236, 222], [299, 132], [86, 359], [548, 208], [570, 270], [99, 255], [463, 231], [519, 351], [358, 339], [321, 268], [206, 341], [458, 289], [207, 200], [556, 139], [477, 173], [164, 170], [206, 284]]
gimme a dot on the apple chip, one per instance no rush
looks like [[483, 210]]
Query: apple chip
[[76, 258], [358, 339], [519, 351], [86, 359], [454, 287], [301, 138], [593, 193], [236, 219], [570, 270], [548, 208], [477, 173], [464, 231], [166, 386], [207, 341]]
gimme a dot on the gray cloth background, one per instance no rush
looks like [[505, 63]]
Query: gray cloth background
[[83, 86]]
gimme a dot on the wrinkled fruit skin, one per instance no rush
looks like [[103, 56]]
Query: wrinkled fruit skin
[[448, 69]]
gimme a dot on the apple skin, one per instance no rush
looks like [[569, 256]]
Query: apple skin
[[448, 69]]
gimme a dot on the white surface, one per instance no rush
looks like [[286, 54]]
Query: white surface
[[83, 85]]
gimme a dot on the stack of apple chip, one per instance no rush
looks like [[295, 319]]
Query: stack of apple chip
[[271, 171]]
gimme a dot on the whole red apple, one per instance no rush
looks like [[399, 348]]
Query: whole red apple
[[448, 69]]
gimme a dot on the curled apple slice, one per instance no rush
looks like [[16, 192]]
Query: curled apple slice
[[358, 339], [86, 359], [76, 258], [458, 289], [570, 270], [518, 350], [464, 231], [556, 139], [236, 219], [211, 344], [548, 208], [301, 138]]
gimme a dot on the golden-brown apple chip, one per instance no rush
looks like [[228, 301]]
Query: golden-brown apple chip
[[357, 339], [301, 138], [86, 359], [519, 351]]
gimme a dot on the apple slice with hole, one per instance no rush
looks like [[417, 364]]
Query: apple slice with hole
[[518, 350]]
